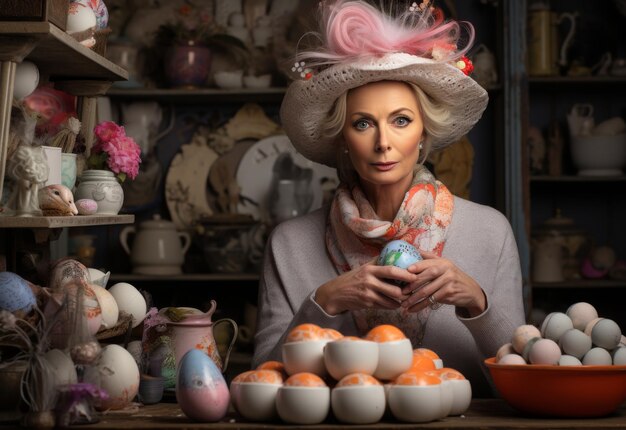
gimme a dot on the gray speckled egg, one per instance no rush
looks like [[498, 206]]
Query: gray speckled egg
[[86, 206]]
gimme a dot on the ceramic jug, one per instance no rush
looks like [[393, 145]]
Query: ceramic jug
[[196, 332], [156, 248]]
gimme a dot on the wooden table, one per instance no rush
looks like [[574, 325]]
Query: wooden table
[[483, 414]]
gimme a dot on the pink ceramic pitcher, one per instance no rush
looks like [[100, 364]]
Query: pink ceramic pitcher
[[196, 331]]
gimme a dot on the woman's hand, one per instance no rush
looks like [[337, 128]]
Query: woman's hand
[[365, 287], [440, 279]]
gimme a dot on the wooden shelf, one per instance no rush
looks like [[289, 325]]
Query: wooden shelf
[[57, 54], [63, 221], [575, 81], [199, 95], [577, 179], [185, 277], [582, 283]]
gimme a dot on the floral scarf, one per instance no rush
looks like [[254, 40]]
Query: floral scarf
[[355, 235]]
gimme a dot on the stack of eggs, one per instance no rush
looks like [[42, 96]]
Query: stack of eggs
[[357, 378], [574, 338]]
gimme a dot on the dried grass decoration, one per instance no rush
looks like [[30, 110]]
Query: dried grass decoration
[[38, 385], [66, 136]]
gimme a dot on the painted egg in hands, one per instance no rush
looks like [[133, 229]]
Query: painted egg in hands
[[399, 253]]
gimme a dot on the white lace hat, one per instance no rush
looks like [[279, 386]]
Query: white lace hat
[[307, 103]]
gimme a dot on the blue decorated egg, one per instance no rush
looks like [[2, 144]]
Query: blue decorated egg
[[15, 293], [100, 10], [201, 391], [399, 253]]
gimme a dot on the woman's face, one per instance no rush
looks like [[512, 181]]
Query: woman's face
[[382, 131]]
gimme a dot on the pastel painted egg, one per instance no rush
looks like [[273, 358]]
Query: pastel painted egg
[[505, 349], [597, 357], [395, 352], [358, 399], [555, 324], [15, 293], [581, 313], [119, 377], [544, 351], [201, 390], [86, 206], [108, 306], [512, 359], [521, 336], [100, 10], [81, 18], [606, 334], [575, 343], [399, 253]]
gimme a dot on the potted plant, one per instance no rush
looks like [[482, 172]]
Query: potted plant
[[114, 157], [190, 38]]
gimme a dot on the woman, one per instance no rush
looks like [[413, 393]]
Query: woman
[[384, 97]]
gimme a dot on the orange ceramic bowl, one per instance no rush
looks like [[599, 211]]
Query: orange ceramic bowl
[[560, 391]]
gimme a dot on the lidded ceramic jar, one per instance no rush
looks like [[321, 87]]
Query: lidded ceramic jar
[[103, 187], [157, 248], [575, 241]]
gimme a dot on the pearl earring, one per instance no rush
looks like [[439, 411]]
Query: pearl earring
[[421, 145]]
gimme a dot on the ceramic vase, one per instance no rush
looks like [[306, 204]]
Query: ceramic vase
[[68, 170], [103, 187], [187, 65]]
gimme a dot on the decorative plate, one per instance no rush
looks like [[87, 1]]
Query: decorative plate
[[255, 171]]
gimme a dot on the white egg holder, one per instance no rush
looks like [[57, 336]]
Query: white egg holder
[[578, 337], [352, 404]]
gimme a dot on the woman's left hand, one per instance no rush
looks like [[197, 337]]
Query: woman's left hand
[[441, 281]]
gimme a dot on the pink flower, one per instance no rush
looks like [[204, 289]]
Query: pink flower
[[107, 130], [119, 152]]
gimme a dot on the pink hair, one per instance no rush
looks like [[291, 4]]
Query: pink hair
[[353, 29]]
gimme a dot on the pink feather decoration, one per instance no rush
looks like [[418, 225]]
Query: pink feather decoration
[[353, 29]]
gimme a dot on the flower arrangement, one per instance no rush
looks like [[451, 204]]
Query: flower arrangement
[[115, 151]]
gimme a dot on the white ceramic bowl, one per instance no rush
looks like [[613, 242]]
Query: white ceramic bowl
[[394, 357], [349, 355], [231, 79], [262, 81], [304, 356], [303, 405], [416, 403], [461, 396], [599, 155], [358, 404], [256, 401]]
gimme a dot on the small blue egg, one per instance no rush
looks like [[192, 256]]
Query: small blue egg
[[399, 253], [15, 293]]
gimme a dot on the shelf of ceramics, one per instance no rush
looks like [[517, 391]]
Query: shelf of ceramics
[[63, 221], [577, 179], [57, 55], [188, 277], [577, 81], [199, 95], [581, 283]]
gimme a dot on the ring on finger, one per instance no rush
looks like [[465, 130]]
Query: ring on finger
[[434, 304]]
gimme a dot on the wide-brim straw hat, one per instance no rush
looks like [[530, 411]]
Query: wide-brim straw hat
[[307, 103]]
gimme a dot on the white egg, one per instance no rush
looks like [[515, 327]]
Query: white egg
[[108, 306], [62, 366], [544, 351], [597, 357], [26, 79], [606, 334], [555, 324], [512, 359], [80, 18], [522, 335], [98, 277], [581, 313], [569, 360], [130, 300], [505, 349], [619, 356], [576, 343], [119, 377]]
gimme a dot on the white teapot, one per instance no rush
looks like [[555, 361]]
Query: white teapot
[[157, 248]]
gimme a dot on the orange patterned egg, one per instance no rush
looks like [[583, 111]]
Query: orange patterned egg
[[426, 353], [304, 332], [241, 376], [331, 334], [385, 333], [421, 362], [271, 365], [357, 379], [304, 379], [448, 373], [263, 377], [413, 377]]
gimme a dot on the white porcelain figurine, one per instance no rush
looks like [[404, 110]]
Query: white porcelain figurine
[[29, 169]]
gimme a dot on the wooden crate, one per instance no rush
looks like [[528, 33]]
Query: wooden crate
[[54, 11]]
